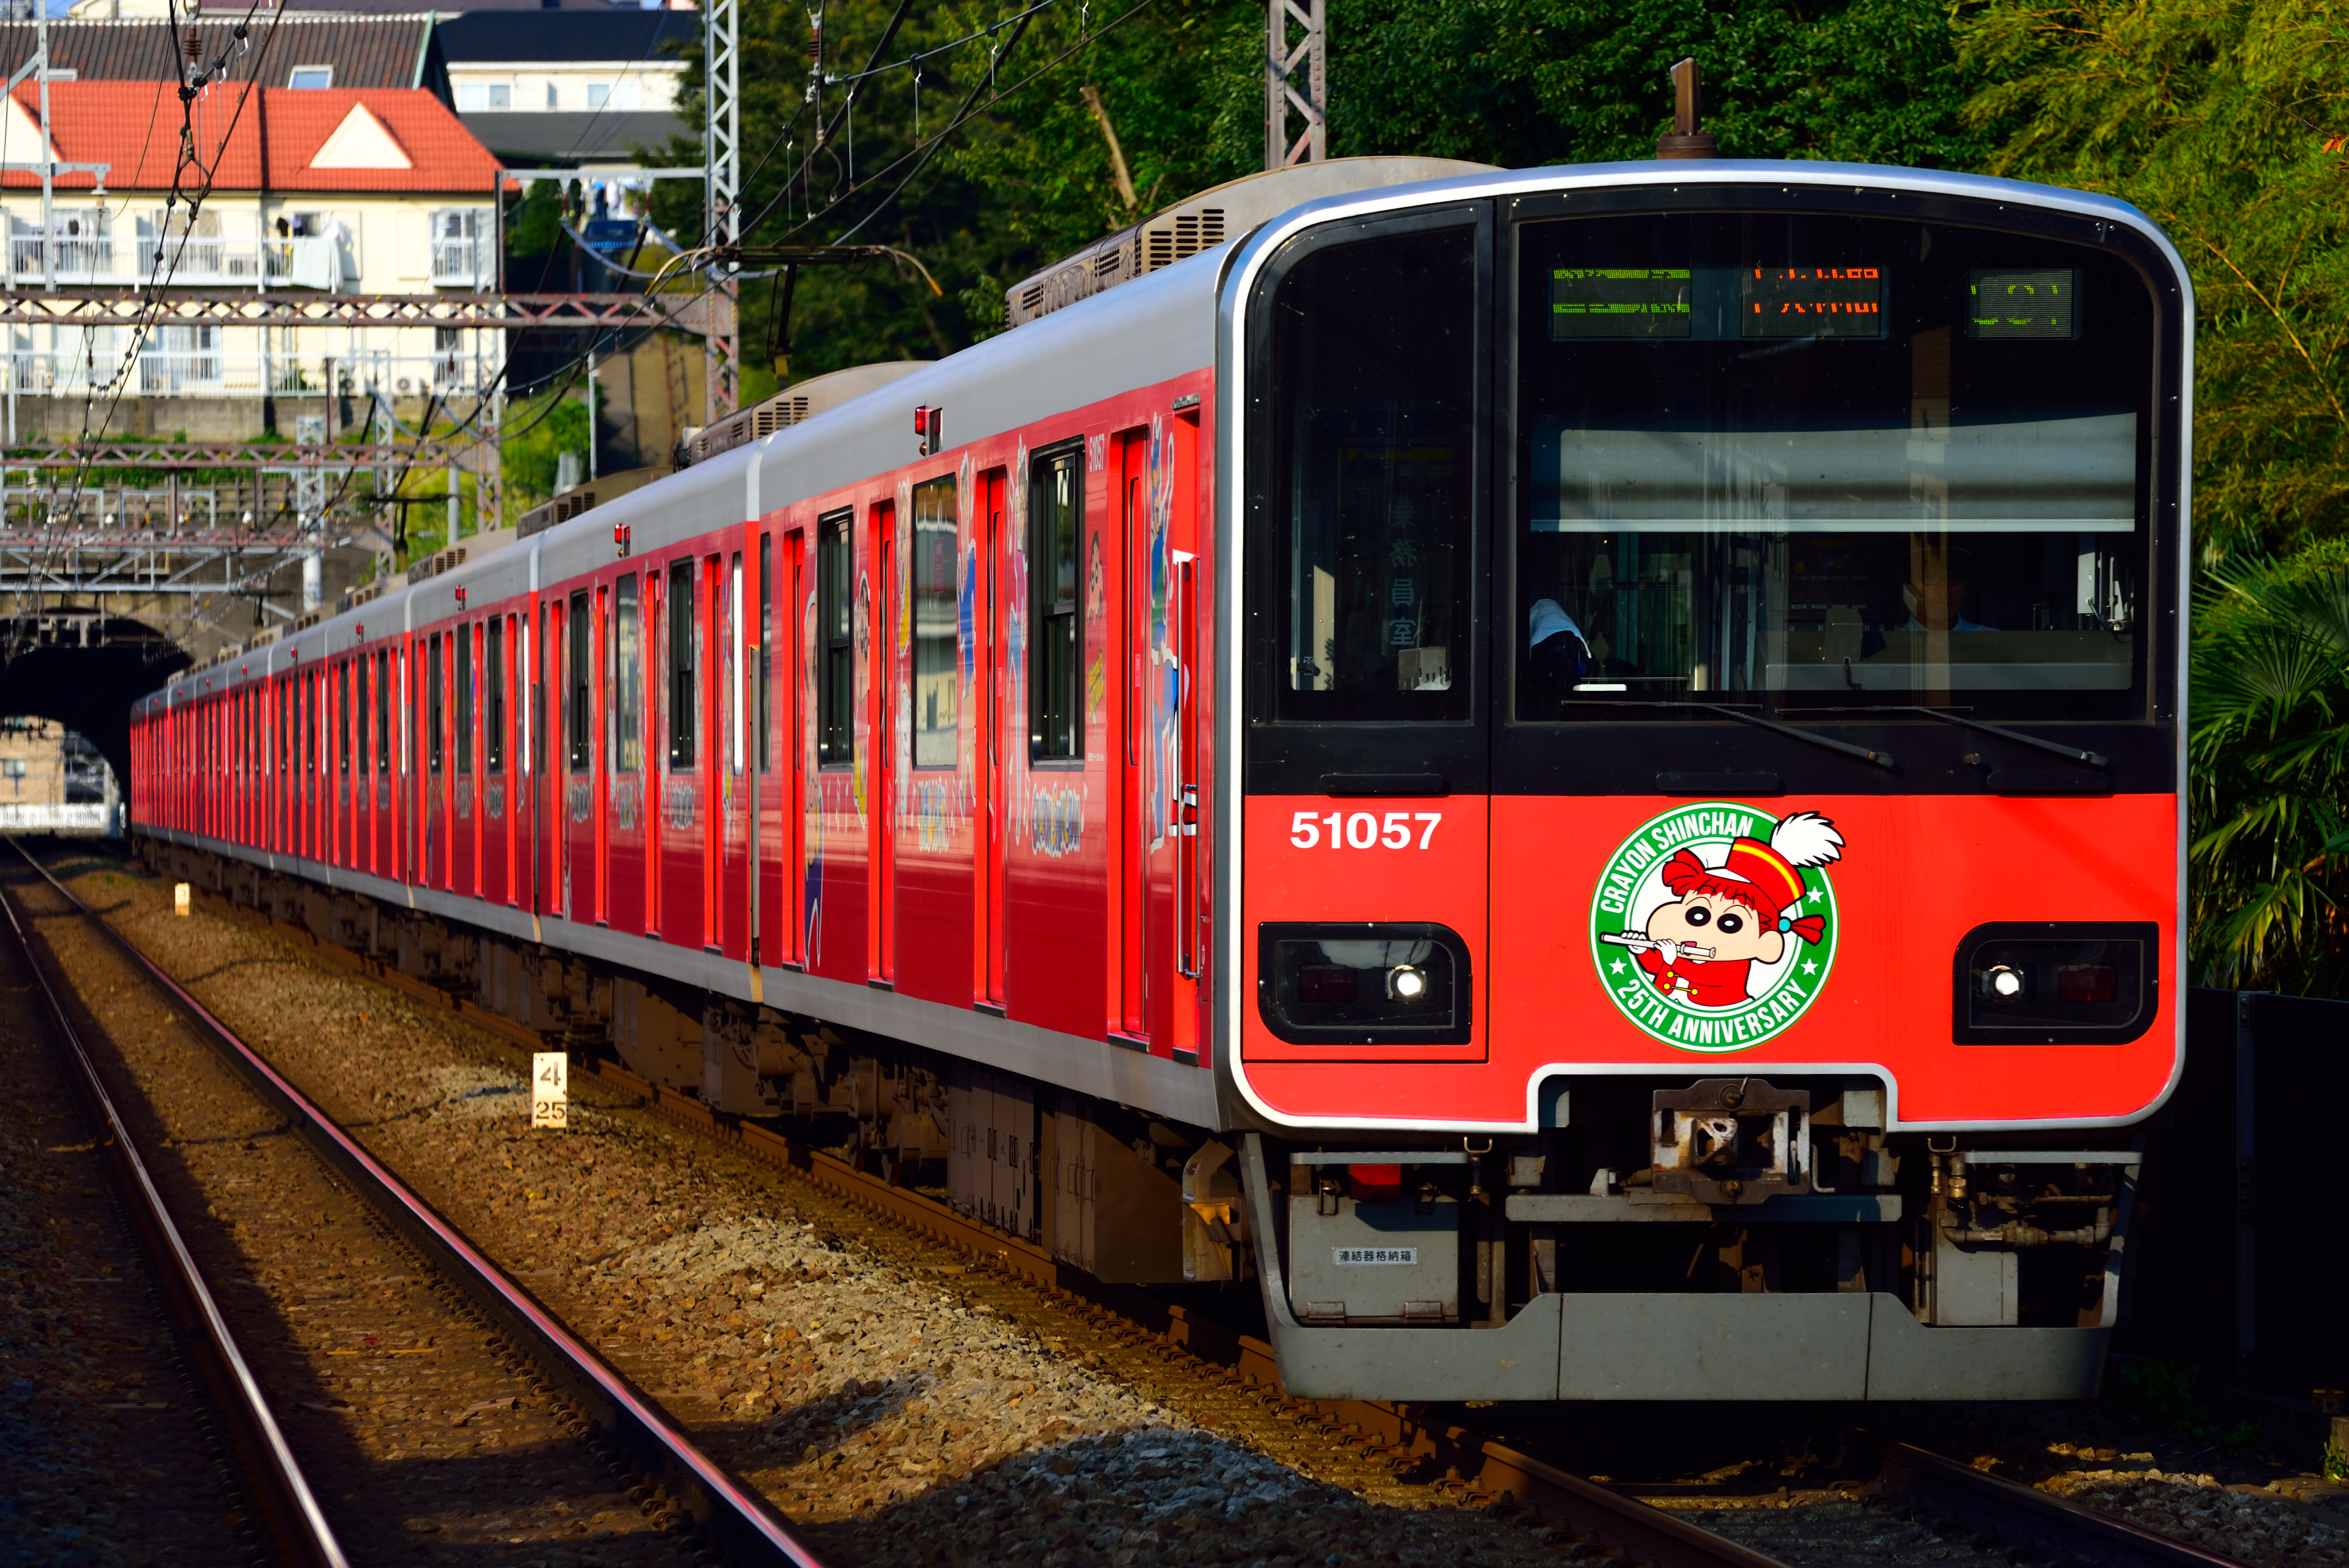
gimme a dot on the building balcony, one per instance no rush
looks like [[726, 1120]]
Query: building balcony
[[312, 261], [210, 372]]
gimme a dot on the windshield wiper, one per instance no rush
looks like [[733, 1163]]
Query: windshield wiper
[[2070, 753], [1882, 759]]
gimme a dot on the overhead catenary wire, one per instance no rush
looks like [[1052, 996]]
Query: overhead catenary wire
[[922, 152], [189, 87]]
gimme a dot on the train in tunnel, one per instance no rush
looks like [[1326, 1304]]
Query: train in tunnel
[[1567, 781]]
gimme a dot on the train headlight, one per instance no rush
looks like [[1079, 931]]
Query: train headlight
[[2056, 983], [1368, 982]]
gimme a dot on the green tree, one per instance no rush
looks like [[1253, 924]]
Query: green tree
[[2270, 756], [1029, 177], [2213, 117]]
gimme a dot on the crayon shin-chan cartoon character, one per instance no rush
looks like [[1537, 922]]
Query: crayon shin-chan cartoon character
[[1725, 919]]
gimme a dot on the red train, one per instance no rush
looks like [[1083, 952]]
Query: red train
[[1577, 771]]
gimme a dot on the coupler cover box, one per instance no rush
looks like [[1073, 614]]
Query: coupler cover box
[[1367, 1252]]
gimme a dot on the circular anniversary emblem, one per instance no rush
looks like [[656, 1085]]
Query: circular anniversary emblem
[[1713, 925]]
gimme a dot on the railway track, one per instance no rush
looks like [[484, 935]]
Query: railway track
[[1230, 1380], [578, 1424], [295, 1523], [2020, 1517]]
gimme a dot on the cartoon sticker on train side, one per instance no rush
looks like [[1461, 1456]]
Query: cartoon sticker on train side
[[1714, 926]]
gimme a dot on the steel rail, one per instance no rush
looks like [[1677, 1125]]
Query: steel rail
[[291, 1509], [1483, 1467], [2061, 1529], [726, 1509]]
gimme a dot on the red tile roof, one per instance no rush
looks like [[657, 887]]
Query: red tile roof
[[135, 127]]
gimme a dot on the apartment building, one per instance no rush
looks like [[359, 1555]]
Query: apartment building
[[371, 190], [569, 88]]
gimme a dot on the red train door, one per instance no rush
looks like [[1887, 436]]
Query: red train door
[[1129, 861], [346, 808], [307, 720], [678, 910], [464, 775], [375, 714], [880, 940], [710, 780], [595, 714], [497, 817], [546, 799], [436, 758], [577, 832], [993, 673], [737, 861], [769, 924], [626, 832], [352, 729]]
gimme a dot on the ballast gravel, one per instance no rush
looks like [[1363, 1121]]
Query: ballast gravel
[[2250, 1524], [847, 1371]]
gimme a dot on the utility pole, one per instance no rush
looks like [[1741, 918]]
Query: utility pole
[[1294, 75], [722, 184]]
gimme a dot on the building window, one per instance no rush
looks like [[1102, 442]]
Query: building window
[[472, 98], [936, 653], [598, 94], [1056, 730], [311, 78], [682, 682], [552, 101], [500, 94], [836, 696]]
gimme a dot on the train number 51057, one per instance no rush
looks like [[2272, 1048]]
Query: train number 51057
[[1362, 830]]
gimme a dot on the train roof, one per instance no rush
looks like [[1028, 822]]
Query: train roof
[[1160, 324]]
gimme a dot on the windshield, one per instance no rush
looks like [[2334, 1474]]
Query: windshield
[[1797, 461]]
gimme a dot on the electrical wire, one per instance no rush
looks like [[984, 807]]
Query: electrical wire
[[923, 152], [151, 304]]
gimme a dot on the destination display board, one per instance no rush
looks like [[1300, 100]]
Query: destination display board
[[1814, 302]]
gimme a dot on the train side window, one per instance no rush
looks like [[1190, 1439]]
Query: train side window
[[836, 695], [682, 684], [576, 676], [766, 644], [383, 711], [627, 676], [343, 716], [937, 674], [357, 721], [461, 652], [1370, 492], [433, 657], [493, 696], [1056, 729]]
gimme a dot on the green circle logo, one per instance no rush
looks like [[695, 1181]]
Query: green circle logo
[[1714, 926]]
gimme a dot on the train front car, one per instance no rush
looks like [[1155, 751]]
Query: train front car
[[1704, 870]]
